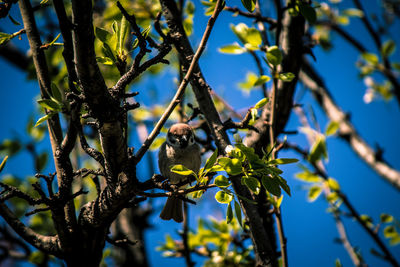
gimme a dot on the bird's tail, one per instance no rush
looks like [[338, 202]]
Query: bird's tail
[[173, 209]]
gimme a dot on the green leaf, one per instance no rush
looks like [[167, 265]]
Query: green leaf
[[332, 128], [229, 213], [56, 93], [370, 58], [108, 52], [274, 55], [308, 177], [253, 37], [366, 219], [338, 263], [221, 181], [44, 118], [10, 147], [250, 5], [105, 60], [286, 77], [396, 65], [261, 103], [234, 48], [390, 231], [271, 185], [314, 193], [238, 213], [43, 2], [182, 170], [3, 163], [102, 34], [308, 12], [282, 182], [122, 34], [13, 20], [353, 12], [4, 38], [223, 197], [252, 183], [261, 80], [188, 25], [282, 161], [333, 184], [318, 149], [189, 8], [395, 240], [388, 48], [386, 218], [231, 166], [50, 104]]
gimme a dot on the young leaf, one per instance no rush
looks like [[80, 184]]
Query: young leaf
[[271, 185], [282, 161], [3, 163], [4, 38], [261, 103], [50, 104], [56, 93], [274, 55], [105, 60], [388, 48], [229, 213], [102, 35], [221, 181], [286, 77], [182, 170], [308, 177], [261, 80], [386, 218], [252, 183], [223, 197], [370, 58], [332, 128], [44, 118], [211, 161], [308, 12], [389, 231], [250, 5], [282, 182], [122, 34], [231, 166], [333, 184], [318, 149], [238, 213], [314, 193], [234, 48]]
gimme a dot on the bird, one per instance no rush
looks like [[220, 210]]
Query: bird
[[179, 148]]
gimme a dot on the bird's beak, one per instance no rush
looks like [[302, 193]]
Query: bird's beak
[[183, 141]]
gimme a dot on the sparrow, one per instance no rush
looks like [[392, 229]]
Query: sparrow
[[179, 148]]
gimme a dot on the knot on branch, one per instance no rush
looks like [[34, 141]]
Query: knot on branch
[[244, 124]]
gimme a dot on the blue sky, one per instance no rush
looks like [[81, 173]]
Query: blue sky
[[309, 228]]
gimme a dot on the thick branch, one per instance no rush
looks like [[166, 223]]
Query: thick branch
[[48, 244], [311, 79]]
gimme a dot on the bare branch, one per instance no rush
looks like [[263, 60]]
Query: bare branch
[[256, 16]]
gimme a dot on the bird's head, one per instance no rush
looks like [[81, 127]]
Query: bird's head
[[180, 135]]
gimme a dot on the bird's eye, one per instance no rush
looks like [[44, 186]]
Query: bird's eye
[[191, 139], [172, 141]]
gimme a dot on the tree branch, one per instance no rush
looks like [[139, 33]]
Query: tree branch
[[311, 79], [48, 244]]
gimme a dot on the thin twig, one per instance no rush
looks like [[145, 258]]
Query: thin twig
[[256, 16], [181, 90]]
